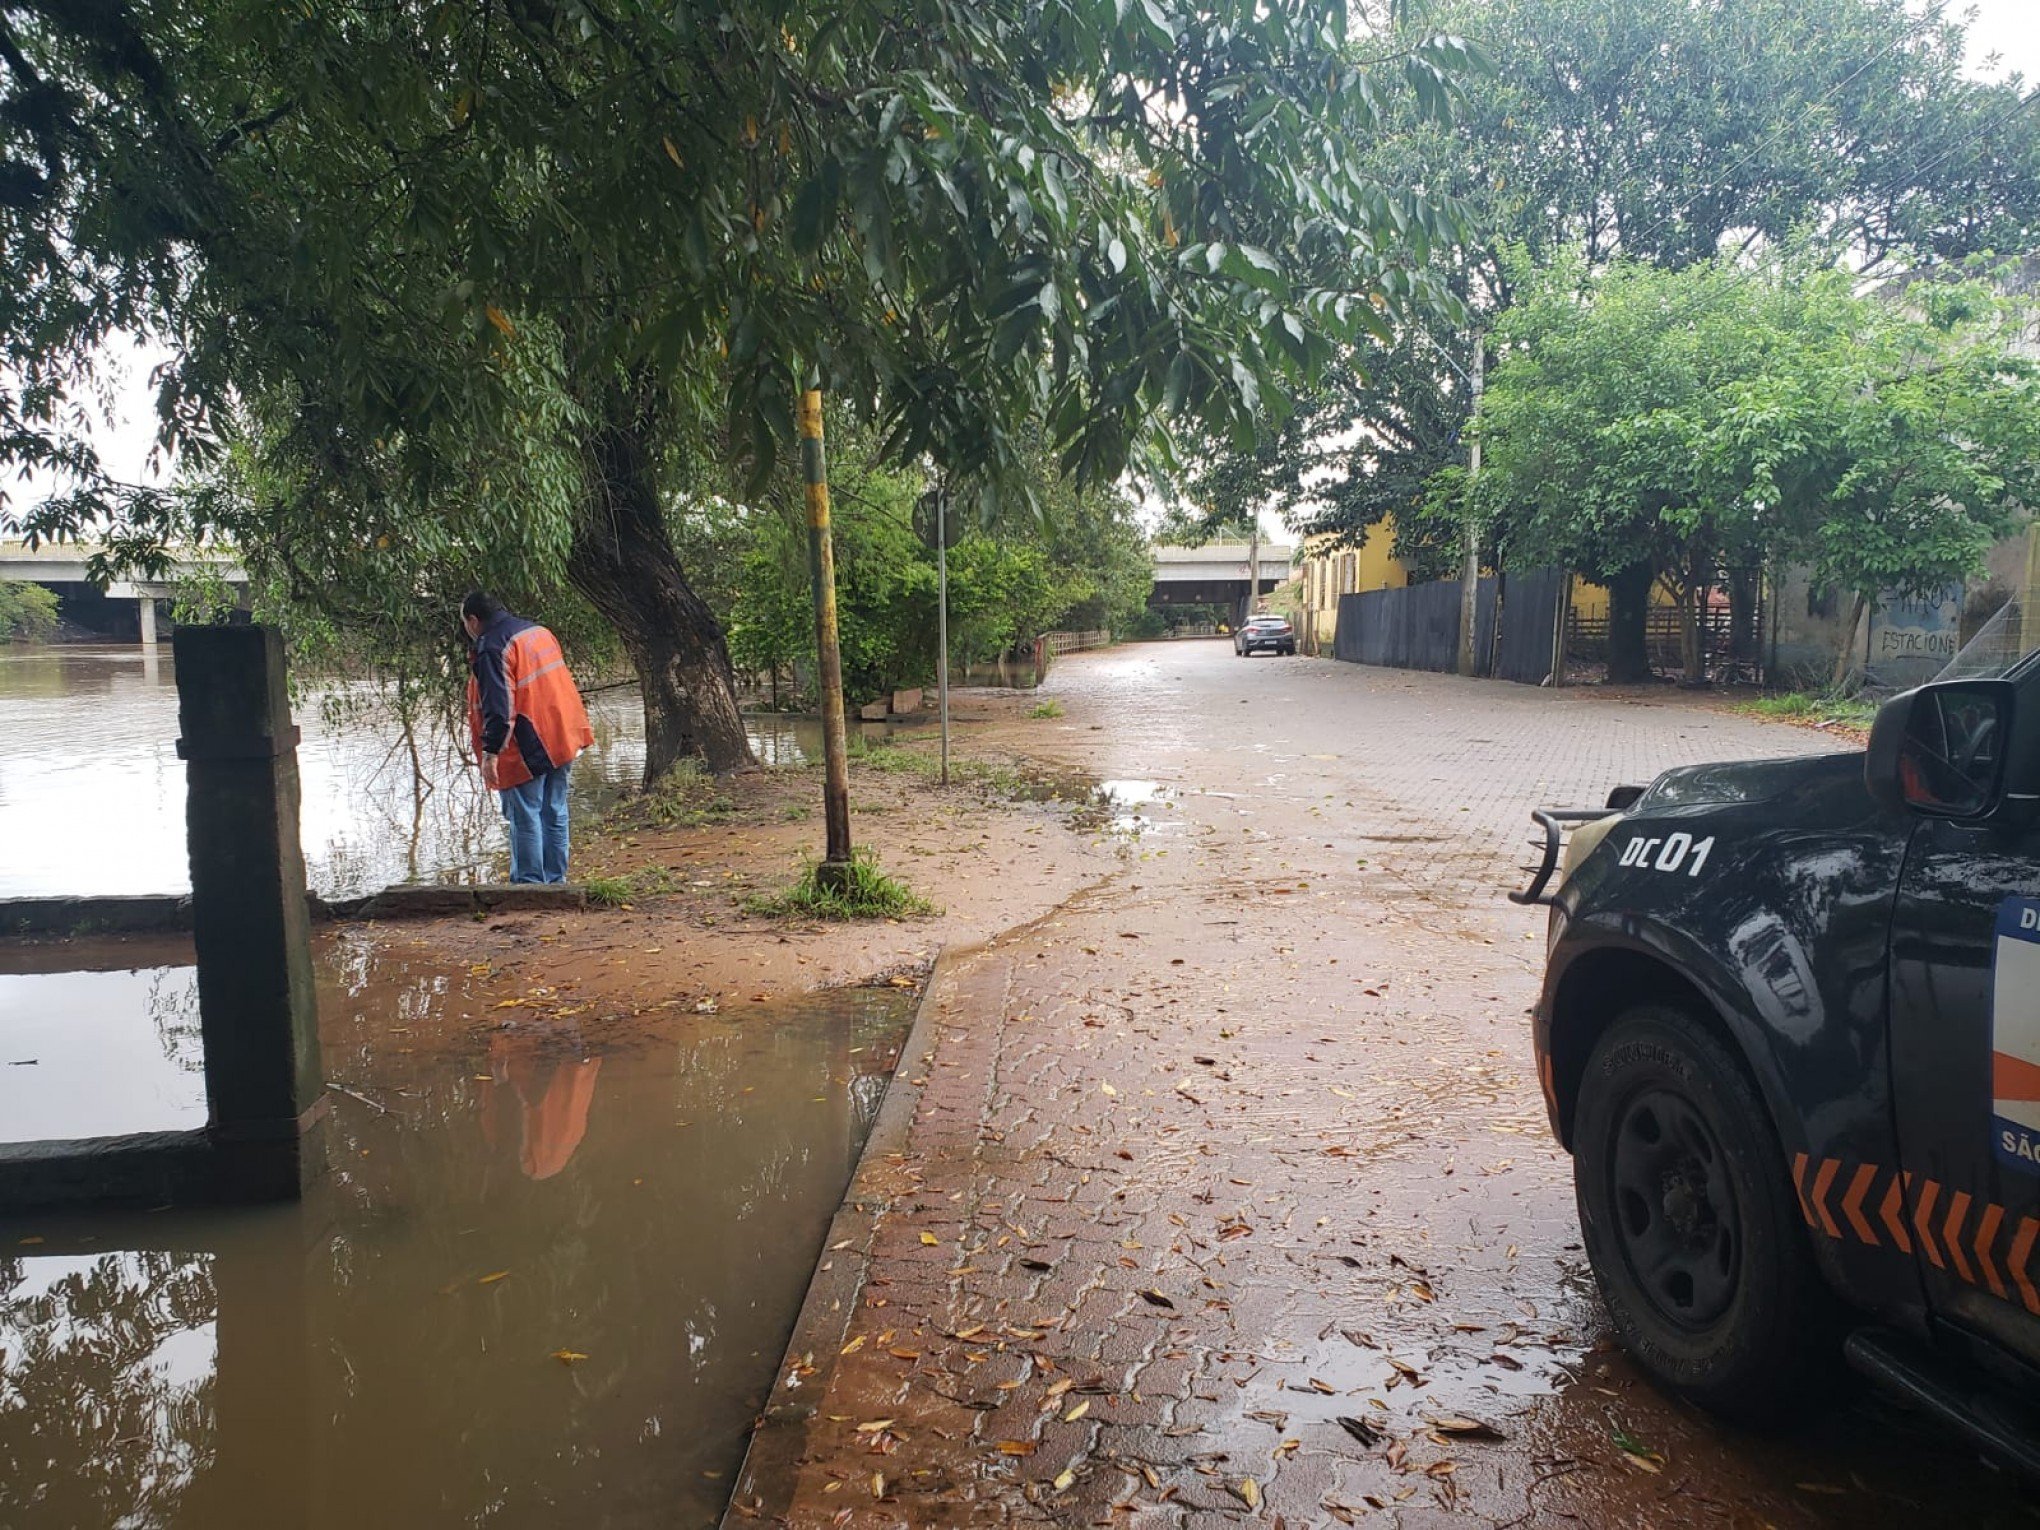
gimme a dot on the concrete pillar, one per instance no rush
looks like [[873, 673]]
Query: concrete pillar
[[147, 608], [257, 1008]]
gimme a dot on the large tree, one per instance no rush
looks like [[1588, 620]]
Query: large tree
[[1650, 424], [1664, 132], [444, 249]]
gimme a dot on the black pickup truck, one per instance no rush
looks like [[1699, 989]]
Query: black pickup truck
[[1790, 1033]]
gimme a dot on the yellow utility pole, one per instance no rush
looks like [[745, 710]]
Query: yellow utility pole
[[835, 867], [1469, 574]]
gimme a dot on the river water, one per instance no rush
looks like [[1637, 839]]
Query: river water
[[92, 791], [546, 1281], [552, 1267]]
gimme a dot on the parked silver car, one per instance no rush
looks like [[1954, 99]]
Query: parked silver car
[[1270, 632]]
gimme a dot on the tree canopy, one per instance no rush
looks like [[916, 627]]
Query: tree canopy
[[507, 266], [1651, 424], [1663, 134]]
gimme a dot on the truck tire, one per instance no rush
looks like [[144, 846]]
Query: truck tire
[[1691, 1222]]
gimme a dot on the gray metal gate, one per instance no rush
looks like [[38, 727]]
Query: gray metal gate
[[1417, 627]]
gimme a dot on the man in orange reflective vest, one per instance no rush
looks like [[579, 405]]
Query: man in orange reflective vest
[[527, 723]]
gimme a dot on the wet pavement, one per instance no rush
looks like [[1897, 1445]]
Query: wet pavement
[[1229, 1195], [546, 1280]]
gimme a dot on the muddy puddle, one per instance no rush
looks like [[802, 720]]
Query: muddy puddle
[[547, 1279]]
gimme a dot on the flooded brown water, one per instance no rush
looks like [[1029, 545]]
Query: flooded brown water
[[92, 791], [547, 1280]]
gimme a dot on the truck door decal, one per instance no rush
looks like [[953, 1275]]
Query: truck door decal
[[2015, 1035]]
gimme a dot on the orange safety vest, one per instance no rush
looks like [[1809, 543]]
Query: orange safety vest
[[542, 693]]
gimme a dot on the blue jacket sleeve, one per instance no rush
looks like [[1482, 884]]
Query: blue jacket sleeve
[[495, 688]]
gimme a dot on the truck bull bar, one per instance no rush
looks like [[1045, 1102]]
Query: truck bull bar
[[1554, 822]]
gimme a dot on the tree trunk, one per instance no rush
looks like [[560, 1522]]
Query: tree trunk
[[623, 561], [1745, 638], [1693, 606], [1628, 613], [1845, 656]]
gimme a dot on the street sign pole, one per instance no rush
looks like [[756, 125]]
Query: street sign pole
[[942, 622]]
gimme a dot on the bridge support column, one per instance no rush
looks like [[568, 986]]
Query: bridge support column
[[256, 1001], [147, 608]]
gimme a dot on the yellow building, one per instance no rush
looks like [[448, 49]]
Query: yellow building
[[1326, 572]]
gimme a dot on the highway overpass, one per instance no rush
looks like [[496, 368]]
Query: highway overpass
[[1217, 574], [65, 567]]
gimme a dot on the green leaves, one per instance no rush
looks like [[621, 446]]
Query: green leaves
[[1732, 414]]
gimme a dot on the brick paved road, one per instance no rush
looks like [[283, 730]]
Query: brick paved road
[[1245, 1143]]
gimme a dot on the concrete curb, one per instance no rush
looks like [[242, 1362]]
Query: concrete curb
[[171, 913], [764, 1484]]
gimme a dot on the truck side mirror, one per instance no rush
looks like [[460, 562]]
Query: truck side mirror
[[1940, 750]]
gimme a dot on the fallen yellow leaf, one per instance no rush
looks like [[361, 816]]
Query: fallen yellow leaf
[[1077, 1412], [568, 1356], [491, 1278], [930, 1239], [853, 1346], [1064, 1478]]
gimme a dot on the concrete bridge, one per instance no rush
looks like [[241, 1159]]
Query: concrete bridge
[[65, 567], [1217, 574]]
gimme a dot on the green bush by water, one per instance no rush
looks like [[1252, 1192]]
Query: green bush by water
[[27, 612]]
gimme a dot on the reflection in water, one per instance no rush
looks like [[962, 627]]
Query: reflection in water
[[91, 1054], [400, 1349], [547, 1096], [106, 1386]]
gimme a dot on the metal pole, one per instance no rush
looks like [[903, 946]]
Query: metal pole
[[942, 622], [1469, 575], [1253, 569], [835, 867]]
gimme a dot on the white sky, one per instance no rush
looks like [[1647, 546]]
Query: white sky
[[2007, 28]]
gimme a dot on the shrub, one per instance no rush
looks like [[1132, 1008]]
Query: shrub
[[858, 891]]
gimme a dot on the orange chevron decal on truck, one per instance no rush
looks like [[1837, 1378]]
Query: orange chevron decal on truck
[[1923, 1208], [2022, 1252], [1894, 1203], [1823, 1182], [1951, 1234], [1852, 1203], [1975, 1259], [1986, 1235]]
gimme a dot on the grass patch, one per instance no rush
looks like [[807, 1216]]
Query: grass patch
[[686, 797], [1047, 709], [893, 760], [865, 893], [620, 891], [1813, 707]]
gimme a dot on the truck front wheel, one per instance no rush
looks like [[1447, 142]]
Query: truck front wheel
[[1691, 1221]]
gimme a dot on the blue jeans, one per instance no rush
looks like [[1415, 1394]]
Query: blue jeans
[[537, 815]]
